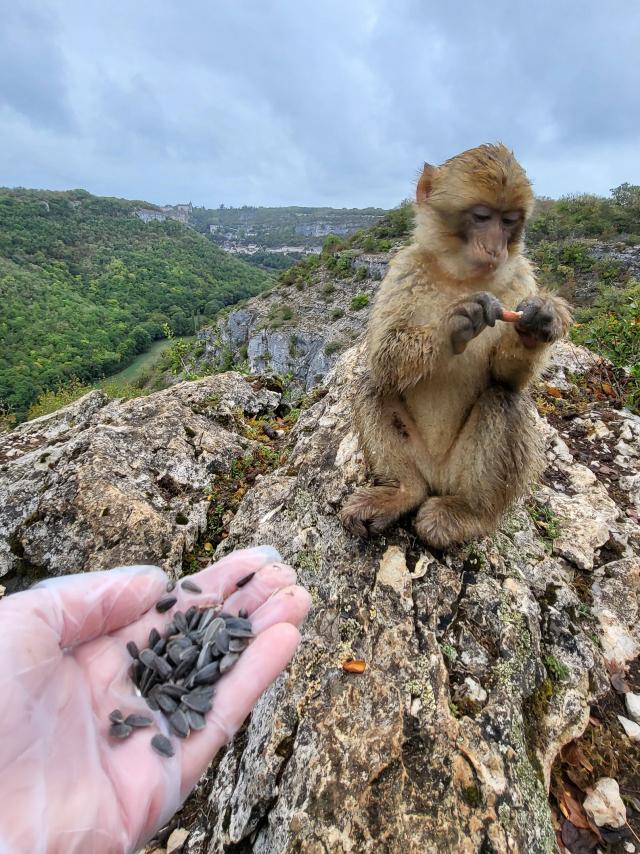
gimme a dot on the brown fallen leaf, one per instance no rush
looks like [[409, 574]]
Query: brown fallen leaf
[[573, 810], [573, 755], [619, 683], [554, 391], [354, 665], [608, 389]]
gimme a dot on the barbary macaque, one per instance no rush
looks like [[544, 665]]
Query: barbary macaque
[[457, 333]]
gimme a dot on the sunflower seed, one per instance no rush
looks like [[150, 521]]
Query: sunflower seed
[[245, 579], [155, 663], [241, 633], [162, 745], [170, 629], [212, 630], [191, 586], [238, 644], [116, 716], [206, 617], [165, 603], [120, 730], [237, 623], [152, 702], [197, 702], [222, 641], [132, 649], [208, 675], [175, 648], [183, 669], [135, 672], [190, 655], [181, 622], [189, 614], [160, 647], [195, 720], [138, 720], [243, 613], [154, 637], [171, 586], [166, 703], [228, 661], [205, 657], [179, 723], [171, 690], [148, 680]]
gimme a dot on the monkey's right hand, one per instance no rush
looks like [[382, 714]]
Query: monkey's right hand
[[469, 317]]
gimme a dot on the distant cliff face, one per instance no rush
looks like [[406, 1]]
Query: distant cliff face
[[297, 332]]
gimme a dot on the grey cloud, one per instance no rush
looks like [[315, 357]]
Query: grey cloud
[[33, 68], [317, 103]]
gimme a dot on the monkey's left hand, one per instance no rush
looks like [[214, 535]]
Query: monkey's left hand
[[544, 320]]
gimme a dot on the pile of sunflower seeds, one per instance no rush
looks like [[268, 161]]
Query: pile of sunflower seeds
[[176, 672]]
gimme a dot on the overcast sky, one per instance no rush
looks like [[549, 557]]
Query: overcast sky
[[332, 102]]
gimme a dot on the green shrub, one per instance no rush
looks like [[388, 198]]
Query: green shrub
[[337, 313], [63, 395], [333, 347], [361, 274], [359, 301], [610, 327]]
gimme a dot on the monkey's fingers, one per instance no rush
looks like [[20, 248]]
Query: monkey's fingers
[[510, 316]]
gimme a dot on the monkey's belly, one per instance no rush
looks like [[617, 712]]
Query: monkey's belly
[[439, 411]]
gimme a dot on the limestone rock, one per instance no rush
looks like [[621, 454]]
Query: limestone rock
[[632, 702], [99, 484], [175, 843], [604, 804], [481, 663], [631, 728]]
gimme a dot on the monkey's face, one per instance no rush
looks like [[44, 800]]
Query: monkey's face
[[487, 234]]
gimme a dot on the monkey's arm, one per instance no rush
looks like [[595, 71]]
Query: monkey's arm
[[402, 356], [523, 348]]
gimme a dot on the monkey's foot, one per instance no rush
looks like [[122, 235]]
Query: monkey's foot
[[372, 509], [444, 521]]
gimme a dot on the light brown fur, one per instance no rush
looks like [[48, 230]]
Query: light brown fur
[[452, 434]]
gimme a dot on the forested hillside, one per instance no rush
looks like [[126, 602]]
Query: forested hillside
[[85, 285]]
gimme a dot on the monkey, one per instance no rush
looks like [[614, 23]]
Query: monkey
[[457, 332]]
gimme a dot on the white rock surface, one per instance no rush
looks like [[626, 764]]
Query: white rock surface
[[604, 805]]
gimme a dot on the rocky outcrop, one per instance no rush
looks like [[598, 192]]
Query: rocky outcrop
[[103, 483], [296, 331], [480, 663]]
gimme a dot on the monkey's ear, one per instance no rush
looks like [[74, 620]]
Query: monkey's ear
[[425, 183]]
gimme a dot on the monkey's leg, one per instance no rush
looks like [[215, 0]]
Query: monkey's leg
[[494, 458], [391, 444], [373, 508]]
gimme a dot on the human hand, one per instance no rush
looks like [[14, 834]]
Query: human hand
[[66, 785]]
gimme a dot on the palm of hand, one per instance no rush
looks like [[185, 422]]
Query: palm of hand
[[64, 669]]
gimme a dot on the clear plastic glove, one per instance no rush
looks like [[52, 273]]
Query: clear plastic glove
[[66, 787]]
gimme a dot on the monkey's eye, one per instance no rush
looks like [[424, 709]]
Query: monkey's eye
[[481, 215], [511, 218]]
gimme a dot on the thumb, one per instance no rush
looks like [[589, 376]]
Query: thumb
[[82, 607]]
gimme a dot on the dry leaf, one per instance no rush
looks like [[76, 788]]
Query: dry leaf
[[554, 391], [608, 389], [354, 665], [573, 810], [573, 755], [619, 682]]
